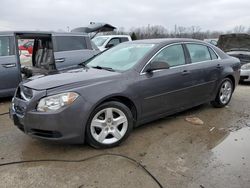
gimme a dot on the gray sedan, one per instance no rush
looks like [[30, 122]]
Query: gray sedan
[[136, 82]]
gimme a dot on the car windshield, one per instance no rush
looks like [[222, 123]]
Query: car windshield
[[99, 41], [121, 57]]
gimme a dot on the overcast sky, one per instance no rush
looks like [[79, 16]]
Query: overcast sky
[[219, 15]]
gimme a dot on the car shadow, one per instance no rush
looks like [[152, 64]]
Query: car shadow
[[188, 112], [5, 99]]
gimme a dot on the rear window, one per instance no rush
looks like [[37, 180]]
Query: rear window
[[69, 43], [213, 54], [198, 52], [6, 46]]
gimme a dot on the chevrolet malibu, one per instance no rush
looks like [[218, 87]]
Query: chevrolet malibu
[[133, 83]]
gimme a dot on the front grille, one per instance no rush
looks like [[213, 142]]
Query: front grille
[[19, 110]]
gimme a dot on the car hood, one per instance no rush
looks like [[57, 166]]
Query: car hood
[[234, 42], [82, 76]]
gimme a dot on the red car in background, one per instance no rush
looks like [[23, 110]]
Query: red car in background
[[27, 46]]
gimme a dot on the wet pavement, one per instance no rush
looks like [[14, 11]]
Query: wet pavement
[[180, 154]]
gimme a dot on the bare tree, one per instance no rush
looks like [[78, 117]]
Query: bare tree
[[158, 31], [239, 29]]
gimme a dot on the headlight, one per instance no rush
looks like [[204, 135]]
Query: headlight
[[56, 102], [245, 66]]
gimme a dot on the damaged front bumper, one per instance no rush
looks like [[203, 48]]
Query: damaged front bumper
[[64, 125]]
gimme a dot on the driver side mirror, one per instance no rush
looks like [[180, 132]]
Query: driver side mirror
[[157, 65]]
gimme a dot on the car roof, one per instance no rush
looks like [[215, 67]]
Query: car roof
[[42, 32], [113, 36], [165, 40]]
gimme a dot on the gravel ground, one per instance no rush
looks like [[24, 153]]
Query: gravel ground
[[180, 154]]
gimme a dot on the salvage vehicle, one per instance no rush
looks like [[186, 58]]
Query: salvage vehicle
[[108, 41], [238, 45], [51, 51], [128, 85]]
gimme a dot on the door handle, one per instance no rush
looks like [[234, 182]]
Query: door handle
[[9, 65], [60, 60], [185, 72], [218, 66]]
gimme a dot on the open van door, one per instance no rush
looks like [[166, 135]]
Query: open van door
[[10, 75]]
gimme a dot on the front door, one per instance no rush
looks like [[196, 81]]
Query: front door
[[9, 68], [166, 90]]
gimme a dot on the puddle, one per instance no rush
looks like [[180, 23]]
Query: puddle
[[234, 149]]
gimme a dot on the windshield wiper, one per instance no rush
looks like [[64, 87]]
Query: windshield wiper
[[104, 68], [87, 60], [83, 64]]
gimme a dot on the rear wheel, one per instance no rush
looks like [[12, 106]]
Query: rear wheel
[[109, 125], [224, 94]]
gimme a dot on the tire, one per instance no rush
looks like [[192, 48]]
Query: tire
[[224, 93], [109, 125]]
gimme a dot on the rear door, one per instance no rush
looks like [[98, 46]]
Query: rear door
[[71, 50], [9, 67], [205, 70]]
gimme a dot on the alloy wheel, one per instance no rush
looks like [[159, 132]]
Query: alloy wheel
[[109, 125], [225, 92]]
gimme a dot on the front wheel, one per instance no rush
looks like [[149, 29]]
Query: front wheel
[[224, 94], [109, 125]]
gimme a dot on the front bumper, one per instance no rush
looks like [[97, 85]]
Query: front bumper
[[66, 125], [245, 75]]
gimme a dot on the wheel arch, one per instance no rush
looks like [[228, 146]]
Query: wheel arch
[[231, 77], [122, 99]]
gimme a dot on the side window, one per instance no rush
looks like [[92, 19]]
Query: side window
[[114, 41], [173, 55], [212, 53], [69, 43], [6, 46], [124, 39], [198, 52]]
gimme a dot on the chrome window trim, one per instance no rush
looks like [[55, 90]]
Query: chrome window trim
[[180, 43]]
